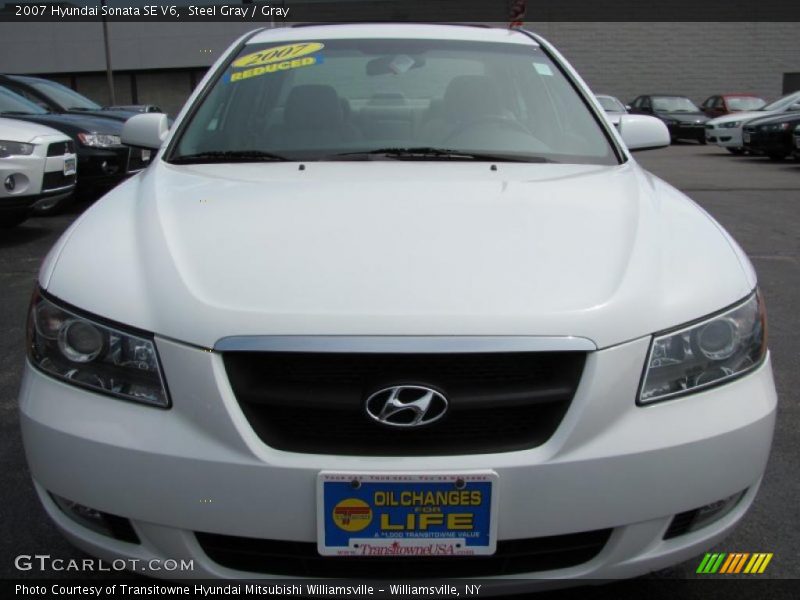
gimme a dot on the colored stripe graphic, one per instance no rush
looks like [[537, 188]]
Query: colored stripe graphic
[[711, 563], [758, 563], [734, 563]]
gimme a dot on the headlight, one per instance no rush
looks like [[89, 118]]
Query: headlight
[[99, 140], [731, 125], [15, 149], [89, 354], [776, 127], [706, 353]]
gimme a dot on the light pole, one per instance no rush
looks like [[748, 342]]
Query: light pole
[[109, 73]]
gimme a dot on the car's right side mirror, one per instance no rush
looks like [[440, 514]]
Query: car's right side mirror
[[147, 130], [642, 132]]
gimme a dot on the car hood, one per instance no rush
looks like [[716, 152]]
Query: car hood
[[109, 113], [785, 117], [75, 123], [696, 117], [741, 116], [198, 253], [22, 131]]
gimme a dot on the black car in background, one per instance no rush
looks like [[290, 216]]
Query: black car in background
[[771, 136], [796, 150], [103, 161], [58, 98], [682, 117]]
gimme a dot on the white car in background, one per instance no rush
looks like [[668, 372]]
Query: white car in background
[[613, 107], [38, 165], [726, 132], [396, 301]]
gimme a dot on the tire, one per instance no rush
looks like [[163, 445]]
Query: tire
[[736, 151], [776, 156], [702, 141], [12, 219]]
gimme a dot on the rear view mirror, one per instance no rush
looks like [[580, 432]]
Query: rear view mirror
[[640, 132], [394, 64], [147, 130]]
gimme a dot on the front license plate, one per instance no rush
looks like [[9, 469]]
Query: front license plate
[[746, 138], [145, 155], [69, 167], [396, 515]]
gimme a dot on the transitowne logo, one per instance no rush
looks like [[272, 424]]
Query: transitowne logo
[[735, 562]]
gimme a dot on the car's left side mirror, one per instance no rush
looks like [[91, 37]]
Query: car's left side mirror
[[641, 132], [147, 130]]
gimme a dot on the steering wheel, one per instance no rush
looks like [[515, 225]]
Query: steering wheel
[[505, 122]]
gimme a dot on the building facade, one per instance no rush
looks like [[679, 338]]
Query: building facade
[[160, 63]]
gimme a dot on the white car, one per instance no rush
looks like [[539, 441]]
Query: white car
[[613, 107], [37, 164], [726, 131], [396, 291]]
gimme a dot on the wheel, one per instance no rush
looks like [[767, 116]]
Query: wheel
[[736, 151], [12, 219], [702, 141], [776, 156]]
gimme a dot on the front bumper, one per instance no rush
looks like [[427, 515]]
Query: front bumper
[[687, 131], [103, 168], [778, 143], [36, 176], [724, 137], [199, 467]]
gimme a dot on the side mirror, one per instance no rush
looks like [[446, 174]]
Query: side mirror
[[147, 130], [795, 106], [628, 107], [640, 132]]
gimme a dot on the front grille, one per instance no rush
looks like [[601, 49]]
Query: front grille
[[61, 148], [300, 559], [314, 402], [55, 180]]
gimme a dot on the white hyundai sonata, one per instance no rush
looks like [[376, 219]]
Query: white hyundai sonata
[[396, 300]]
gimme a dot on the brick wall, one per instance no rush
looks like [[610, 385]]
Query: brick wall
[[692, 59]]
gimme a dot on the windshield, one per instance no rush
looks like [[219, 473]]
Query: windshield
[[382, 99], [610, 104], [744, 102], [674, 104], [65, 97], [783, 103], [11, 103]]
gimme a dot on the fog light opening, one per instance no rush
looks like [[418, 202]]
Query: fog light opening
[[697, 518], [98, 521], [10, 183]]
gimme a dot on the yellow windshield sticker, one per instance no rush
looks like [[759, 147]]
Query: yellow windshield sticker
[[276, 67], [278, 54]]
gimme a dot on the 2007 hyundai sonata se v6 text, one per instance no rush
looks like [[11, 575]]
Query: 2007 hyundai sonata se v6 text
[[396, 300]]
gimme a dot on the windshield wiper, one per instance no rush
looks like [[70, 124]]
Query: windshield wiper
[[429, 152], [227, 156]]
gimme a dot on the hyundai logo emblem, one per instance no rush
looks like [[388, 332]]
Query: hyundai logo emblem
[[406, 406]]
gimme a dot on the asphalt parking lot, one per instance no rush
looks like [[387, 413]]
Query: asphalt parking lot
[[757, 200]]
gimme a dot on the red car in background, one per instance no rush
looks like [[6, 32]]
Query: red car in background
[[723, 104]]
